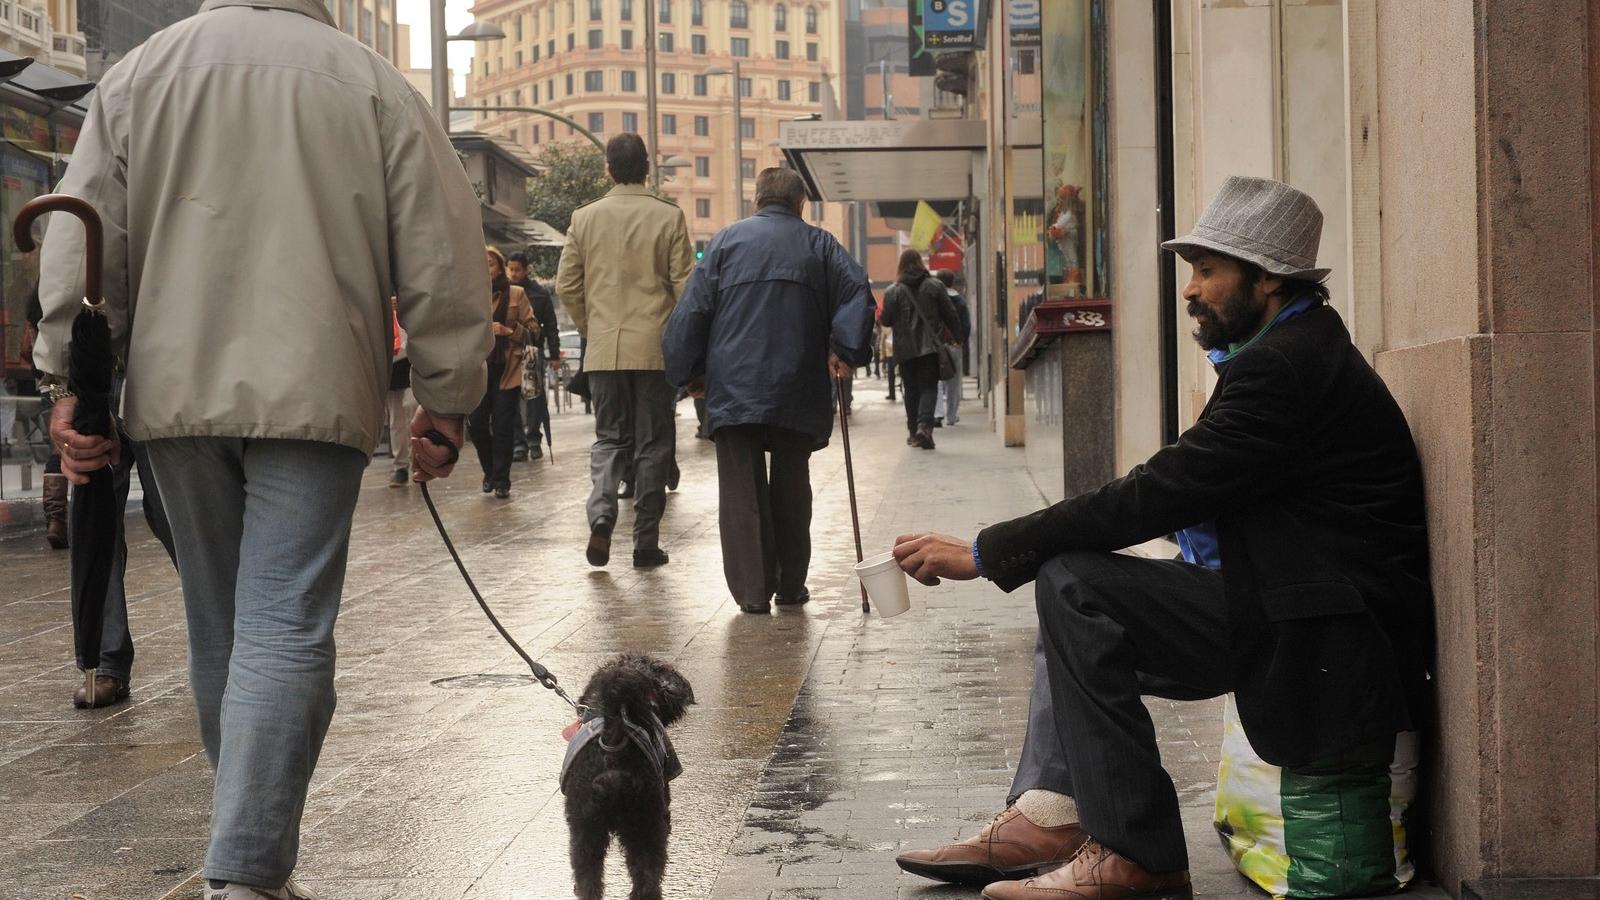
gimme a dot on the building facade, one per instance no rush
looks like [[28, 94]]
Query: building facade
[[372, 22], [46, 30], [585, 59]]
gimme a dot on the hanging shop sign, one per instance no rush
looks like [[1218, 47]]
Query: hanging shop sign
[[921, 59], [951, 24], [1025, 18]]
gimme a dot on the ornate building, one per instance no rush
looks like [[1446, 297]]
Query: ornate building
[[585, 59]]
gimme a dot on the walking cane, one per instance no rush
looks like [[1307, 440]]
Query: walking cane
[[850, 478]]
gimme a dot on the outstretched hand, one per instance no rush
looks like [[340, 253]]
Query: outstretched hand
[[929, 557]]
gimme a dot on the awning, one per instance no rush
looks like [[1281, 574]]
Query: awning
[[542, 234], [897, 159]]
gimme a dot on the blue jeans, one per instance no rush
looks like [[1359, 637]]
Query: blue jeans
[[262, 529]]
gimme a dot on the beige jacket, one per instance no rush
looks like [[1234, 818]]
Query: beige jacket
[[625, 263], [266, 184], [524, 331]]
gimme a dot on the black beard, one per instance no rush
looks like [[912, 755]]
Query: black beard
[[1239, 319]]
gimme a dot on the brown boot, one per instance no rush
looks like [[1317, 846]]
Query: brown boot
[[1096, 873], [1010, 847], [107, 691], [55, 511]]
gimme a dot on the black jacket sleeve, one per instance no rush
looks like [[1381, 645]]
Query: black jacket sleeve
[[1248, 445]]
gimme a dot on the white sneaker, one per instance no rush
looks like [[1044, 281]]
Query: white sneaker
[[232, 891]]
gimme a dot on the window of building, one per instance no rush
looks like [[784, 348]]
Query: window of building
[[514, 136], [814, 92], [697, 45], [627, 40], [596, 38], [366, 27], [535, 92], [783, 89], [550, 48], [669, 123], [594, 81], [516, 97], [747, 128], [572, 42], [702, 208], [700, 85], [630, 81], [516, 61], [536, 129], [739, 14], [669, 83], [780, 17], [550, 89], [702, 166], [811, 20], [516, 27], [347, 16], [570, 92], [535, 53], [747, 167], [739, 46], [702, 126], [745, 88], [697, 12], [664, 9], [666, 42], [595, 10], [597, 122], [811, 52], [630, 122], [627, 10], [385, 39], [780, 49]]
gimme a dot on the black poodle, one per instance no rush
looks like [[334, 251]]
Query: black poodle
[[615, 776]]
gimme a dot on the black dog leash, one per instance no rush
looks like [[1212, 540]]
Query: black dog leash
[[545, 676]]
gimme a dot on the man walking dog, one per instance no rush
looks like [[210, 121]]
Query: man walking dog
[[1297, 500], [266, 184]]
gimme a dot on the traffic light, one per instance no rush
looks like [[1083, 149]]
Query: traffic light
[[699, 250]]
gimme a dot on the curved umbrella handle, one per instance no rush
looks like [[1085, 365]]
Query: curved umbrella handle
[[22, 232]]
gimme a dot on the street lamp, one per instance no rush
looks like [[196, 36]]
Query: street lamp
[[738, 124], [477, 31]]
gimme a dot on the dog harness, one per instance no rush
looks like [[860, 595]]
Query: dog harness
[[651, 739]]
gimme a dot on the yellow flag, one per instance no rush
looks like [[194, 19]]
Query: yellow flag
[[924, 225]]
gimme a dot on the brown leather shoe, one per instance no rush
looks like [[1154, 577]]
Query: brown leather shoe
[[1096, 873], [1010, 847], [107, 691]]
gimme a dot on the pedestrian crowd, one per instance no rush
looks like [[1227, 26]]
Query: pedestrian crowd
[[258, 386]]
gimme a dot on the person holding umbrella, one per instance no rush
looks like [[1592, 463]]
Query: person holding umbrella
[[775, 311], [256, 379]]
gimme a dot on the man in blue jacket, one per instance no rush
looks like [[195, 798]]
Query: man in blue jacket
[[774, 310]]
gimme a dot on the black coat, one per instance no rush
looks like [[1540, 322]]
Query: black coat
[[1305, 463], [544, 312], [912, 335]]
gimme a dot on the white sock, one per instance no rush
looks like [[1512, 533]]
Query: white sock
[[1047, 809]]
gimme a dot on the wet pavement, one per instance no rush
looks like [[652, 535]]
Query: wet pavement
[[822, 742]]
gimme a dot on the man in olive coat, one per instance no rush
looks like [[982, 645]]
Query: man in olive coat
[[624, 265], [1297, 501]]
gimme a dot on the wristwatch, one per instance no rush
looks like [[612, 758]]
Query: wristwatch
[[54, 389]]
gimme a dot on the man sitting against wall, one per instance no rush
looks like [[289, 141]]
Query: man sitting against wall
[[1297, 502]]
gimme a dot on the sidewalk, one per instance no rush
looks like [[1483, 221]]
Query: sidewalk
[[822, 743]]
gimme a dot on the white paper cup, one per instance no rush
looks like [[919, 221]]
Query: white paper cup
[[885, 582]]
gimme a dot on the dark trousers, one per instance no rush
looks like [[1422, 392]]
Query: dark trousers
[[765, 515], [633, 427], [492, 427], [1114, 627], [919, 382], [888, 366]]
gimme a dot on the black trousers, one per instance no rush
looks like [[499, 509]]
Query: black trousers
[[919, 381], [492, 428], [765, 517], [1114, 627]]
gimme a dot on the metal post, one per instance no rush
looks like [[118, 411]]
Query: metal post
[[650, 91], [738, 137], [441, 63]]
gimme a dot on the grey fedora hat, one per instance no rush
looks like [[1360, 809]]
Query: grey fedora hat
[[1261, 221]]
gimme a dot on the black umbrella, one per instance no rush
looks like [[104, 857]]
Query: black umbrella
[[95, 511]]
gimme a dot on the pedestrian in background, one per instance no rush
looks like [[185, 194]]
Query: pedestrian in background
[[949, 406], [535, 410], [919, 310], [625, 263], [494, 423], [775, 311], [277, 185], [400, 402]]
